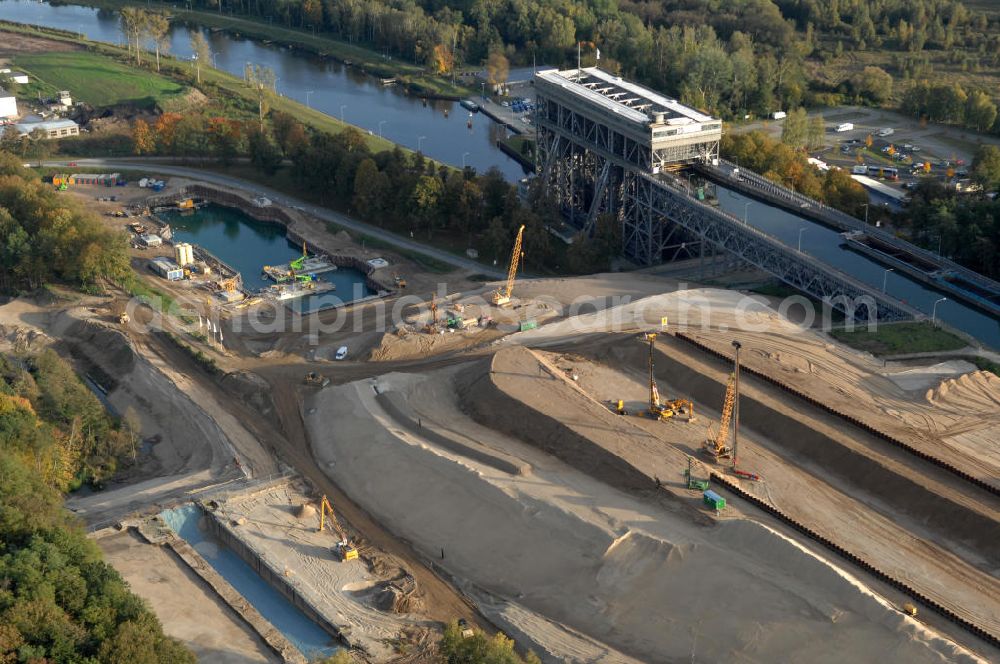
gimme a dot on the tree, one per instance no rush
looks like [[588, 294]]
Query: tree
[[156, 26], [202, 53], [986, 167], [817, 132], [497, 70], [442, 60], [980, 111], [873, 83], [795, 128], [426, 195], [143, 141], [132, 21], [264, 154], [262, 81], [366, 188]]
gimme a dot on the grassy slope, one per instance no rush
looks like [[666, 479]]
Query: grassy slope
[[415, 76], [96, 79], [900, 338]]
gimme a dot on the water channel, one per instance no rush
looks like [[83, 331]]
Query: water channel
[[247, 245], [827, 245], [311, 640], [337, 90]]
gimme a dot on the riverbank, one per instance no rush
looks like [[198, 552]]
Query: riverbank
[[413, 77]]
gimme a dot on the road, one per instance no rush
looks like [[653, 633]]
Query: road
[[325, 214]]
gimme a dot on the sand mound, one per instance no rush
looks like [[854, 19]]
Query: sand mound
[[306, 511]]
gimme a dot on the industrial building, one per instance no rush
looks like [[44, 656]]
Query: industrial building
[[184, 254], [166, 268], [50, 128], [8, 106], [149, 240]]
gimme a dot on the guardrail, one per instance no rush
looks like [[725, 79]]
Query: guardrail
[[857, 560], [906, 447]]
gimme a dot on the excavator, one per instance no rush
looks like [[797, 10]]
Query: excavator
[[343, 549], [501, 296], [716, 447], [663, 410], [296, 264]]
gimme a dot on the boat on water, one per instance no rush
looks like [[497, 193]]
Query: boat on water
[[470, 105]]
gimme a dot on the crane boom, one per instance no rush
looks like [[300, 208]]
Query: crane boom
[[502, 295], [344, 549], [717, 446]]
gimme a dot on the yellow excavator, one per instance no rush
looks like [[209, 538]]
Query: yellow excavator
[[716, 446], [343, 549], [663, 410], [501, 296]]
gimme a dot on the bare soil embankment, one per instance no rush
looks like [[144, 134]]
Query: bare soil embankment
[[643, 576]]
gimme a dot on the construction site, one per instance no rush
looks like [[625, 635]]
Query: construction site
[[627, 467]]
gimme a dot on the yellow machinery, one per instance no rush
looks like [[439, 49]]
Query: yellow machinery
[[502, 295], [186, 204], [716, 447], [400, 281], [228, 285], [344, 549], [662, 410]]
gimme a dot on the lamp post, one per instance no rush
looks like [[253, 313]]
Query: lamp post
[[802, 230], [308, 92], [464, 155], [885, 276], [342, 107], [380, 123], [866, 214], [934, 310], [745, 206], [420, 143]]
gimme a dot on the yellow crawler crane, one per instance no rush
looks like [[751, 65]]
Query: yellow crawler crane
[[716, 447], [343, 549], [501, 296], [662, 410]]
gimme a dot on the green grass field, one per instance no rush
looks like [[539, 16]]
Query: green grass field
[[898, 338], [96, 79]]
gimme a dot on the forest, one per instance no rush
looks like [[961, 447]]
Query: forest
[[42, 239], [732, 58], [59, 602]]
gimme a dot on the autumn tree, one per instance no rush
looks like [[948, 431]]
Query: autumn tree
[[497, 69], [143, 141], [873, 83], [442, 59], [157, 26], [262, 81]]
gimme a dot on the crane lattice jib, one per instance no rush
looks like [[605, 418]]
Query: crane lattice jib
[[514, 260], [654, 393], [727, 412]]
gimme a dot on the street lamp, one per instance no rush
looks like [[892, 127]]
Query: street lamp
[[308, 92], [342, 107], [214, 63], [885, 276], [866, 214], [745, 206], [420, 143], [801, 230], [381, 122], [464, 155], [934, 310]]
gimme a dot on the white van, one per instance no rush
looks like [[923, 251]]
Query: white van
[[887, 131], [847, 126], [860, 169], [779, 115], [341, 353]]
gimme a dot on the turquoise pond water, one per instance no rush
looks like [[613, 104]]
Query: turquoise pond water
[[248, 245], [302, 632]]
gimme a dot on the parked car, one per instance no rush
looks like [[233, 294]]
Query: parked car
[[341, 353]]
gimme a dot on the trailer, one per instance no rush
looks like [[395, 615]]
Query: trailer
[[713, 500]]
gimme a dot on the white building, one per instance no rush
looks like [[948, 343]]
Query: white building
[[8, 106], [51, 128], [18, 77]]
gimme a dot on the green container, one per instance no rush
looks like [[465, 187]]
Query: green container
[[528, 325], [713, 500]]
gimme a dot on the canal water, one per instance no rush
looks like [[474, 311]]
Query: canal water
[[827, 245], [311, 640], [247, 245], [339, 91]]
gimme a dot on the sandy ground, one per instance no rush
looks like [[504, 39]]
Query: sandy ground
[[352, 594], [606, 564], [215, 633]]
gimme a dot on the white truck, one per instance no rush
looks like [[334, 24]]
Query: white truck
[[846, 126]]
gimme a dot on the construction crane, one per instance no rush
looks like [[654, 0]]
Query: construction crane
[[298, 262], [662, 410], [501, 296], [716, 447], [344, 549]]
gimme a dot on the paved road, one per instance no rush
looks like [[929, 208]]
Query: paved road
[[157, 167]]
